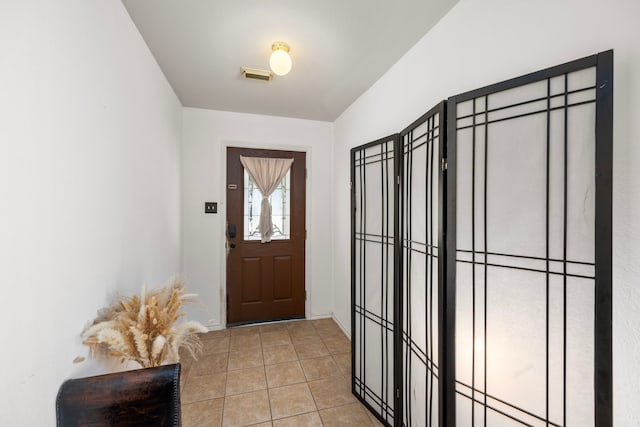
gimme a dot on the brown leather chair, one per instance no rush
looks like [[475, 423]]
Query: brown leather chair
[[144, 397]]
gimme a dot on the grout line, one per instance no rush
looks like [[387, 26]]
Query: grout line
[[297, 415], [224, 401], [269, 400], [314, 400]]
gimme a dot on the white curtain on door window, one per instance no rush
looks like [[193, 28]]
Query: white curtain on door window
[[267, 174]]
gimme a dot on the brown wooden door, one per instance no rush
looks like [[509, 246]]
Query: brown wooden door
[[265, 281]]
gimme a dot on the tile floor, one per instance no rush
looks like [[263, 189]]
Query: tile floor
[[284, 374]]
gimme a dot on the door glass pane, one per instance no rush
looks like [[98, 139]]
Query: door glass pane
[[280, 212]]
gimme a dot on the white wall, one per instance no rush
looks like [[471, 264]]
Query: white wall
[[206, 135], [483, 42], [90, 136]]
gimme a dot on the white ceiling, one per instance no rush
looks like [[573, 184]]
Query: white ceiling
[[339, 49]]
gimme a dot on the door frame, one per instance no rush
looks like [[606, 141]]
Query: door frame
[[222, 219]]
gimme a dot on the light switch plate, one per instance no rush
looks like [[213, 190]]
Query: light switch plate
[[210, 207]]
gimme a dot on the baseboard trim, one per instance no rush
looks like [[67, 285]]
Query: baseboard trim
[[215, 327], [345, 330], [320, 316]]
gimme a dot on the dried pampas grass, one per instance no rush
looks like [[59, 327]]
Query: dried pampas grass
[[144, 329]]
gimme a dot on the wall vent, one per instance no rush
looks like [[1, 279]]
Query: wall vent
[[255, 74]]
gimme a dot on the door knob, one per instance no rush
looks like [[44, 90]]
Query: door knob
[[232, 245]]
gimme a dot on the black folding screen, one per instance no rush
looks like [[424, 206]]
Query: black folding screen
[[481, 257]]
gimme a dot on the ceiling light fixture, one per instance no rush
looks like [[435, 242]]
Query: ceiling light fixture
[[280, 61]]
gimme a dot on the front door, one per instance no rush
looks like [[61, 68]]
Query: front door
[[265, 281]]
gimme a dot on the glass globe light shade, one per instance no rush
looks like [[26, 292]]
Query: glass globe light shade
[[280, 62]]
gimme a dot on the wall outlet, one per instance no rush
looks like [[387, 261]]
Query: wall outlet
[[210, 207]]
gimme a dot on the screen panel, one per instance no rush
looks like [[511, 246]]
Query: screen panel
[[532, 288], [420, 210], [373, 178]]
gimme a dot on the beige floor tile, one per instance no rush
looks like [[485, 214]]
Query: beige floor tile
[[312, 419], [246, 409], [184, 373], [323, 323], [305, 339], [207, 413], [245, 359], [215, 334], [373, 419], [284, 374], [338, 345], [299, 323], [245, 380], [327, 325], [321, 367], [186, 359], [332, 391], [267, 424], [204, 387], [270, 327], [330, 329], [278, 337], [331, 334], [301, 326], [310, 349], [215, 345], [304, 334], [244, 330], [291, 400], [343, 360], [279, 354], [209, 364], [245, 342], [347, 415]]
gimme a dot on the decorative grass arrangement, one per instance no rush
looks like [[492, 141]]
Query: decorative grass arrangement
[[143, 328]]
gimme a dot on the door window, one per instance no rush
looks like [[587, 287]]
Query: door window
[[280, 212]]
